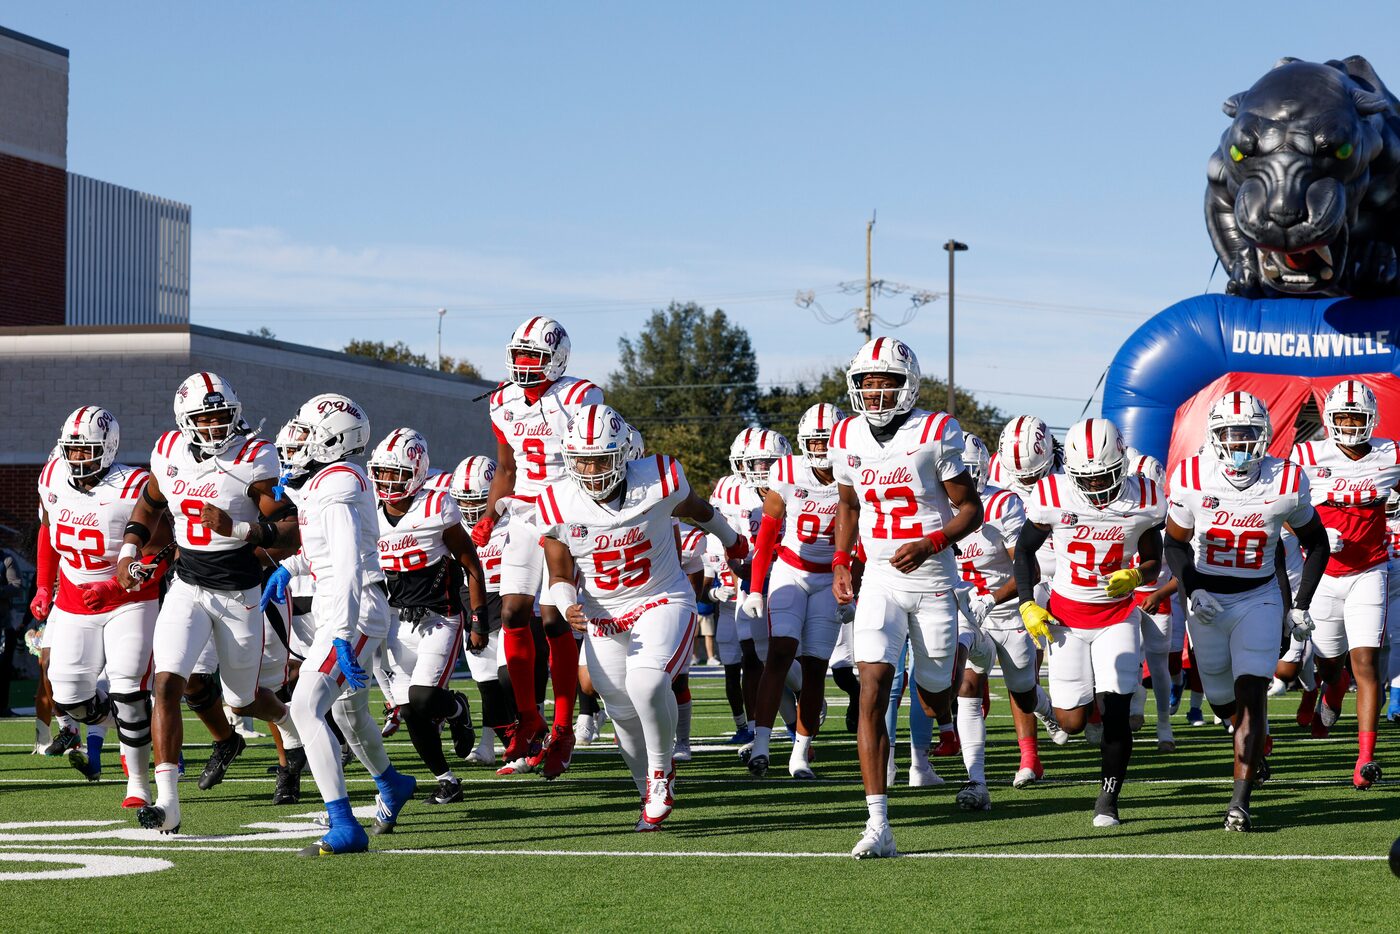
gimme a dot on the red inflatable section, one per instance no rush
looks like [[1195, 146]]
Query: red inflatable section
[[1285, 397]]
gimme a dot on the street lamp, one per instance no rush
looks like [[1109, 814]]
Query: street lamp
[[953, 247], [442, 313]]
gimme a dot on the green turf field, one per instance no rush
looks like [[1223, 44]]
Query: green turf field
[[738, 853]]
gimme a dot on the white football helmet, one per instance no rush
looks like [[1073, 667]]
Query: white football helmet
[[336, 428], [886, 356], [1094, 460], [1350, 397], [471, 486], [595, 450], [1238, 431], [1145, 465], [636, 445], [1392, 505], [398, 467], [290, 439], [815, 428], [538, 352], [763, 448], [1026, 449], [89, 442], [736, 451], [206, 398], [977, 459]]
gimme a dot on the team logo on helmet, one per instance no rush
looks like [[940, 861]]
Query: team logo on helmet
[[1210, 502], [578, 531], [1068, 518], [336, 405], [853, 460]]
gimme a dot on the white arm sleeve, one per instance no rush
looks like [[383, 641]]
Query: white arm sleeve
[[338, 599]]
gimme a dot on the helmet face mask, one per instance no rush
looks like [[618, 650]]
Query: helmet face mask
[[1392, 505], [762, 450], [84, 459], [208, 413], [977, 459], [89, 442], [1095, 461], [291, 444], [597, 474], [595, 451], [538, 352], [882, 380], [398, 468], [1100, 487], [1350, 411], [471, 486], [1026, 449], [1238, 431]]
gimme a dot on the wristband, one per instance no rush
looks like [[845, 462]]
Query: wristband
[[565, 594], [939, 540], [243, 531], [842, 559], [129, 551], [139, 530]]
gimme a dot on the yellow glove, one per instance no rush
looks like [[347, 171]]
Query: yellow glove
[[1121, 583], [1037, 621]]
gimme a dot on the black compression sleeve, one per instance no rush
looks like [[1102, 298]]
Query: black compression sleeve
[[1027, 569], [1313, 538], [139, 530], [1182, 563]]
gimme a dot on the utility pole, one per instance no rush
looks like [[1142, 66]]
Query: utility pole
[[442, 313], [867, 313], [954, 248]]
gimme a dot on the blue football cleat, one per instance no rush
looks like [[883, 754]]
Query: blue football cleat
[[741, 736], [792, 734], [1176, 692], [395, 790], [94, 756], [1194, 717], [1393, 714], [345, 835]]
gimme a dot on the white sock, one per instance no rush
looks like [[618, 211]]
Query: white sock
[[66, 722], [1161, 684], [683, 723], [801, 751], [100, 729], [447, 776], [1138, 705], [879, 807], [585, 723], [649, 689], [488, 740], [138, 768], [751, 725], [739, 721], [291, 739], [1042, 702], [918, 759], [43, 733], [167, 783], [631, 742], [972, 730], [761, 738]]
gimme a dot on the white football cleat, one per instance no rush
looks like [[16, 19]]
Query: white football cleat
[[585, 730], [923, 775], [682, 753], [1166, 741], [974, 796], [801, 770], [1024, 777], [658, 804], [1277, 688], [485, 751], [1058, 736], [875, 843]]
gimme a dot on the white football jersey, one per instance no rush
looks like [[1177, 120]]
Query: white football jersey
[[742, 507], [809, 531], [1093, 542], [692, 548], [1350, 497], [1392, 538], [900, 488], [1235, 532], [625, 552], [984, 557], [343, 483], [187, 481], [1004, 480], [412, 552], [536, 432], [86, 527]]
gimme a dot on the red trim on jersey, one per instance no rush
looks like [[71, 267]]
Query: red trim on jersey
[[940, 420], [1142, 495], [1195, 473], [675, 473], [47, 476], [134, 484], [553, 504], [1054, 491], [1181, 470], [996, 506], [1078, 614], [338, 468], [661, 472], [793, 559], [577, 392], [845, 427], [683, 651]]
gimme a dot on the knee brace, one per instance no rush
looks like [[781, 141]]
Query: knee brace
[[133, 714], [203, 692], [91, 711]]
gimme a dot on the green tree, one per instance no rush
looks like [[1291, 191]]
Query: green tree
[[400, 352], [265, 332], [689, 382]]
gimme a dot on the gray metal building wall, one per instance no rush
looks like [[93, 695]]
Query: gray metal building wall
[[128, 256]]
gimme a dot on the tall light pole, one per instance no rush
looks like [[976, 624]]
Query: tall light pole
[[953, 247], [442, 313]]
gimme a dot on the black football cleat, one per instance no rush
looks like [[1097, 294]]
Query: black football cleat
[[449, 791], [1237, 819], [225, 751]]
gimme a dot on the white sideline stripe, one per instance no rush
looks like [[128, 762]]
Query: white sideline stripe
[[717, 854]]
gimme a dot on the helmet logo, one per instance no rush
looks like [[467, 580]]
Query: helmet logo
[[104, 420], [551, 337], [489, 472], [326, 406]]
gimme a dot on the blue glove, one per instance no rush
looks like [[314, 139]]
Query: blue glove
[[275, 590], [704, 609], [349, 664], [280, 487]]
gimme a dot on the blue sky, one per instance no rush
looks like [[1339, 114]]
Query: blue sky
[[353, 167]]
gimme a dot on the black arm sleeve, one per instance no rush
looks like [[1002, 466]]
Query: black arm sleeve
[[1182, 563], [1281, 575], [1027, 568], [1313, 538]]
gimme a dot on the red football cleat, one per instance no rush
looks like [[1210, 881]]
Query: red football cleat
[[134, 801], [1307, 707], [525, 740], [948, 745], [558, 753]]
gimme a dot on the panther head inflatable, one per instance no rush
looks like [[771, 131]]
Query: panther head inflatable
[[1302, 195]]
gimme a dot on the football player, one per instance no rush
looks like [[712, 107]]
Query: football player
[[1159, 629], [215, 480], [530, 416], [86, 500], [901, 483], [1228, 508], [799, 614], [1101, 518], [339, 535], [470, 486], [610, 524], [1392, 529], [986, 560], [1351, 475], [424, 552], [742, 668]]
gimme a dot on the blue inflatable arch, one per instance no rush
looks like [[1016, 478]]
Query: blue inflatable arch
[[1283, 349]]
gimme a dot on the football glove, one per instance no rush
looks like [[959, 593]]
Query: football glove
[[753, 606], [1123, 582], [275, 590], [40, 605], [1335, 542], [846, 612], [102, 595], [1037, 621], [1204, 606], [481, 532], [1302, 624], [981, 606], [721, 594], [739, 550], [349, 664]]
